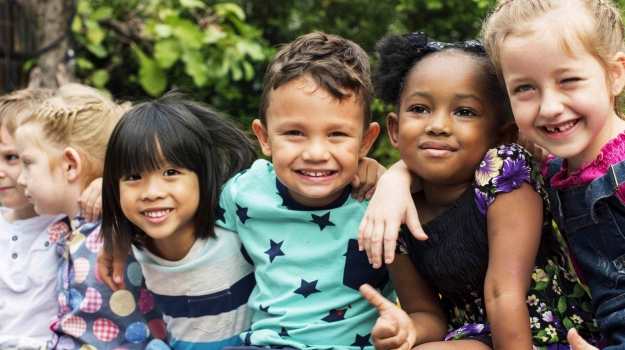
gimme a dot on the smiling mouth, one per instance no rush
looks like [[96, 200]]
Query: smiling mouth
[[562, 127], [156, 213], [316, 173]]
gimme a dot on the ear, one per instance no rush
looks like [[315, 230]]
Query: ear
[[72, 164], [617, 74], [508, 134], [368, 138], [263, 137], [392, 126]]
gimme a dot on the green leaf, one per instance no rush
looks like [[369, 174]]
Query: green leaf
[[192, 4], [562, 304], [95, 35], [99, 78], [151, 77], [29, 64], [568, 324], [189, 34], [84, 8], [97, 50], [254, 50], [541, 334], [167, 52], [237, 73], [217, 66], [102, 13], [228, 8], [84, 63], [163, 30], [249, 70], [586, 306], [76, 24], [541, 285], [578, 291], [195, 67], [213, 35]]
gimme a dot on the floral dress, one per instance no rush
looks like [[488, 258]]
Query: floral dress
[[454, 259]]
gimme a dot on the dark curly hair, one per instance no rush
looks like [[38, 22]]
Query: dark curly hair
[[399, 55]]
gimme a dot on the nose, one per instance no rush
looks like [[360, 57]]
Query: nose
[[316, 150], [21, 180], [3, 174], [551, 104], [152, 189], [439, 124]]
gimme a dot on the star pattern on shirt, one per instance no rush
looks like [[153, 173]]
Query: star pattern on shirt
[[221, 214], [323, 221], [284, 333], [248, 338], [263, 309], [335, 315], [275, 250], [242, 214], [307, 288], [362, 341]]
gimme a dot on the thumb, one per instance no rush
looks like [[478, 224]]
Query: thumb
[[414, 225], [376, 299], [577, 342]]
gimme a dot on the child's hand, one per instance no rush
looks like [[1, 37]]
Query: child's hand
[[394, 328], [111, 269], [91, 201], [577, 342], [391, 206], [367, 175]]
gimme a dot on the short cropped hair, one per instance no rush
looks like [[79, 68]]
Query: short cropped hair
[[183, 133], [337, 65]]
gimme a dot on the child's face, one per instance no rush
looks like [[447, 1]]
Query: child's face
[[45, 186], [11, 193], [446, 122], [163, 202], [560, 101], [314, 141]]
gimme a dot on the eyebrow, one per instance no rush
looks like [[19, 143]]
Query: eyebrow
[[456, 96]]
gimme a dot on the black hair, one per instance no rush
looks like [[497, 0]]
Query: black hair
[[399, 55], [184, 133]]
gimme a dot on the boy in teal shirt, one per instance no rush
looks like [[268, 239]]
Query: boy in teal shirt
[[295, 217]]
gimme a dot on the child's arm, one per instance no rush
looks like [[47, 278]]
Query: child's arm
[[513, 241], [367, 176], [91, 201], [421, 318], [391, 206]]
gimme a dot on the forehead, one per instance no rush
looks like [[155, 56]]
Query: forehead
[[6, 138], [447, 72], [303, 102]]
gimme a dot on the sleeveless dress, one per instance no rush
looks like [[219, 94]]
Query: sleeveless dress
[[454, 260]]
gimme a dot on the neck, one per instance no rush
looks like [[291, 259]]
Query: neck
[[171, 249], [438, 197], [20, 214]]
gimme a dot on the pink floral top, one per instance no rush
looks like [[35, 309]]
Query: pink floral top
[[611, 153]]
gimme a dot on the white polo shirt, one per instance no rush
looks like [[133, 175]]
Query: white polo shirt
[[28, 274]]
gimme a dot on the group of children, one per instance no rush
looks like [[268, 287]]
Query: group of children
[[203, 246]]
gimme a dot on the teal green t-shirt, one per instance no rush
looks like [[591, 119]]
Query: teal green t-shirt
[[306, 262]]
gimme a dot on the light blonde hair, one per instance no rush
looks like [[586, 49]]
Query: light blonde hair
[[596, 24], [80, 117], [19, 104]]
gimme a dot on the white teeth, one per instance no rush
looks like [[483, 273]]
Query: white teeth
[[315, 174], [562, 128], [156, 214]]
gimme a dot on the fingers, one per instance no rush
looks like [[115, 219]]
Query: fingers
[[387, 334], [119, 261], [377, 236], [413, 223], [105, 270], [577, 342], [390, 241], [376, 299], [91, 201]]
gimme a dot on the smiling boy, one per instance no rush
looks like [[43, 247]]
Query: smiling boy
[[295, 217]]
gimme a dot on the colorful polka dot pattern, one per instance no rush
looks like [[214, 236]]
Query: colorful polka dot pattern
[[92, 316]]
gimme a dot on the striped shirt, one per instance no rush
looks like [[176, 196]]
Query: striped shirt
[[203, 296]]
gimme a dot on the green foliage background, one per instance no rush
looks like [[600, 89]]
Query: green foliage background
[[219, 51]]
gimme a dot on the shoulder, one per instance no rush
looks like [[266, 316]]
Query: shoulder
[[504, 169]]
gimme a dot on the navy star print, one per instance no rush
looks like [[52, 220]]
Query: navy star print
[[242, 214], [284, 333], [322, 221], [335, 315], [362, 341], [220, 214], [263, 309], [274, 250], [307, 288]]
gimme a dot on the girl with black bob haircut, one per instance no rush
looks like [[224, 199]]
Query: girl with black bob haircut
[[491, 252], [165, 165]]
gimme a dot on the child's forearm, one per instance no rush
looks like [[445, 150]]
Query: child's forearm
[[509, 320], [402, 175], [430, 327]]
